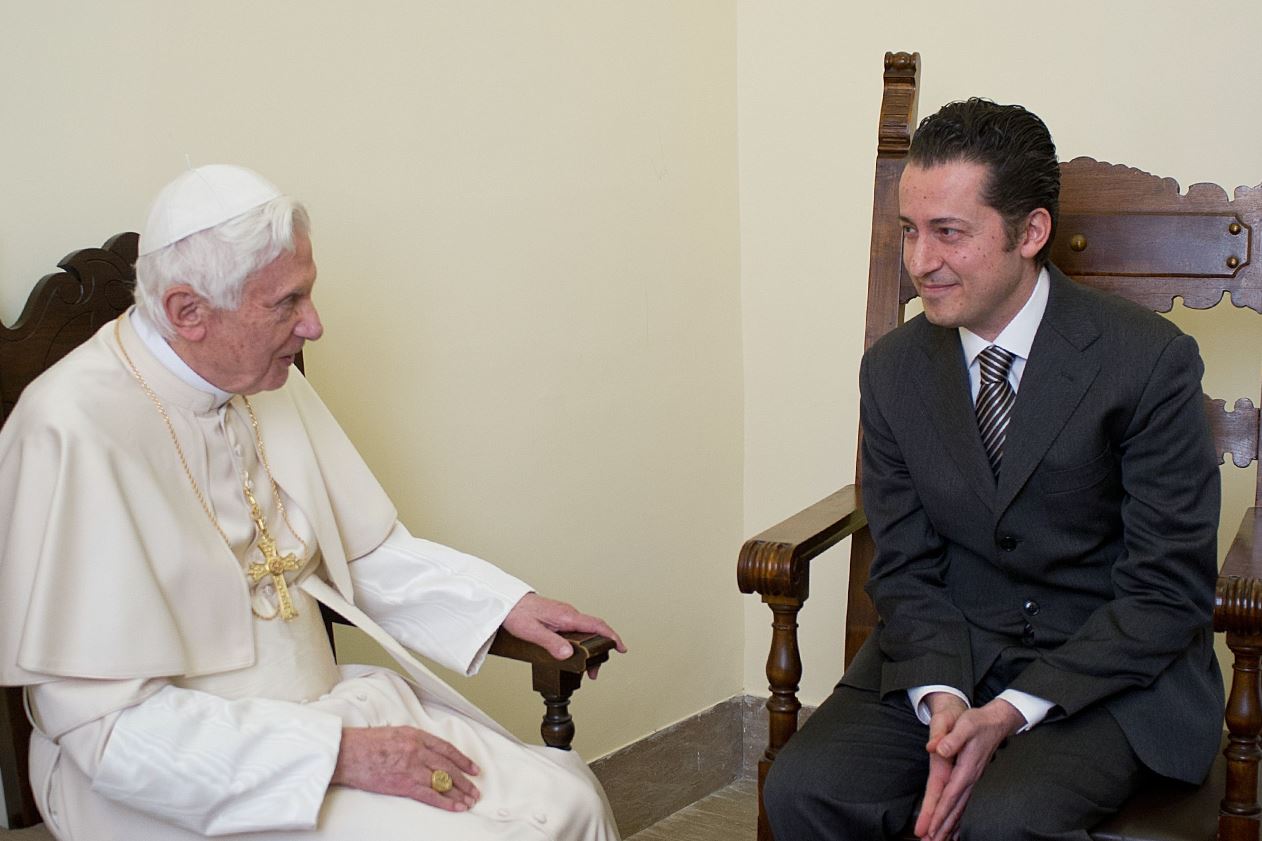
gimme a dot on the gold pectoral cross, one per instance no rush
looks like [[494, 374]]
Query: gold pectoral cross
[[274, 564]]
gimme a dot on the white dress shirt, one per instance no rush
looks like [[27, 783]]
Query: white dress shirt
[[1016, 338]]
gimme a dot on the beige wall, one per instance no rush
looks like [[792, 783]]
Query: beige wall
[[1134, 81], [526, 226], [551, 328]]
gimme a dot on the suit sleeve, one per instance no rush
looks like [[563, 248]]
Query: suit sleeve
[[923, 637], [1163, 581]]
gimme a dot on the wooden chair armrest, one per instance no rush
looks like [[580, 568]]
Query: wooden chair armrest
[[776, 562], [1238, 612], [589, 650], [556, 680], [1238, 601], [776, 565]]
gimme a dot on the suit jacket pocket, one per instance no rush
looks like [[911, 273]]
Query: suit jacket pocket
[[1072, 479]]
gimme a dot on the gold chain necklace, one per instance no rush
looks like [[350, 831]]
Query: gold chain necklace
[[273, 564]]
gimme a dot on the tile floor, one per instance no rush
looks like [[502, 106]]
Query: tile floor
[[34, 834], [730, 814]]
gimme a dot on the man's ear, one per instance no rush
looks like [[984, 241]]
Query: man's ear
[[187, 311], [1038, 230]]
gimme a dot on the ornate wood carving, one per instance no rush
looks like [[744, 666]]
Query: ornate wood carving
[[1238, 606], [1234, 432], [1160, 244], [775, 562], [1210, 245], [63, 310], [1238, 612], [899, 99], [898, 105]]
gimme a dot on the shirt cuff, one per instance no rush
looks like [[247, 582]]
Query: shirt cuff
[[918, 694], [1032, 707]]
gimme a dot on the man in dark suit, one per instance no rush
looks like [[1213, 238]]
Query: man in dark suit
[[1043, 496]]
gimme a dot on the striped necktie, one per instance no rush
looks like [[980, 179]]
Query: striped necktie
[[994, 402]]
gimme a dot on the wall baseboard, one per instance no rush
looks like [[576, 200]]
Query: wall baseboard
[[667, 770]]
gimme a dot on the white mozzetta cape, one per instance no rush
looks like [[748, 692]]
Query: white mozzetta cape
[[80, 561]]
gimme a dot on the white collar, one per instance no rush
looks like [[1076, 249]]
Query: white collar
[[171, 360], [1018, 336]]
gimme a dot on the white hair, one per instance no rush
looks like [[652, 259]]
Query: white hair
[[216, 262]]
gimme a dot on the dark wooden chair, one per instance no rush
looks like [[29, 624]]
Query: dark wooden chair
[[1132, 234], [65, 308]]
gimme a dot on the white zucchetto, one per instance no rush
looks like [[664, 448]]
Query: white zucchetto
[[203, 198]]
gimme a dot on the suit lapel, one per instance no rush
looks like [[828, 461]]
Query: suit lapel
[[1059, 372], [942, 382]]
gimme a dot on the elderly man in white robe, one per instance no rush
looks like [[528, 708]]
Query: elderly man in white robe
[[174, 504]]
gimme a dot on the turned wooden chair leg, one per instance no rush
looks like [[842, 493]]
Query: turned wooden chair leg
[[1239, 812], [556, 687], [556, 682], [784, 671]]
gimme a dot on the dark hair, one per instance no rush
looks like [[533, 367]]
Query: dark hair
[[1012, 143]]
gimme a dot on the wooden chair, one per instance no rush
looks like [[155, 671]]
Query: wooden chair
[[65, 308], [1132, 234]]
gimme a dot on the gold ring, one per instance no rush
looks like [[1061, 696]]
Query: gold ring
[[440, 781]]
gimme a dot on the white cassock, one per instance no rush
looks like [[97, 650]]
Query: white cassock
[[166, 706]]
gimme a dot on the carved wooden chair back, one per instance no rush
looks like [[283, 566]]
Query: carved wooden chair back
[[64, 310], [1129, 233]]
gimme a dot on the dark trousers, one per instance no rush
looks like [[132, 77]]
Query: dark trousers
[[857, 768]]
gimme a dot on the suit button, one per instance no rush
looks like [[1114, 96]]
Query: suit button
[[1031, 607], [1007, 543], [1027, 634]]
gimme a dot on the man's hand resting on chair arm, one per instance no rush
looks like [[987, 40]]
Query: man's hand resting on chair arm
[[542, 621]]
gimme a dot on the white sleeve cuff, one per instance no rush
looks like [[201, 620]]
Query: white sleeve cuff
[[217, 767], [918, 694], [1032, 707], [443, 604]]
